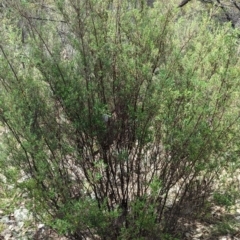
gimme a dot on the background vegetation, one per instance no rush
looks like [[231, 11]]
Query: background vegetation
[[118, 115]]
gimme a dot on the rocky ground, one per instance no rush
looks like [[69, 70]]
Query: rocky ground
[[16, 222], [19, 225]]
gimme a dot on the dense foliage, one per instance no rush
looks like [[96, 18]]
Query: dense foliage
[[119, 116]]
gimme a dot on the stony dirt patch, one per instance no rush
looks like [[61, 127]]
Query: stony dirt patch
[[20, 225]]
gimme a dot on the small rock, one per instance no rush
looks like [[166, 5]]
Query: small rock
[[237, 217], [21, 214], [3, 178], [198, 235], [20, 224], [225, 238], [8, 236], [11, 227], [40, 226], [238, 211], [5, 219], [188, 235]]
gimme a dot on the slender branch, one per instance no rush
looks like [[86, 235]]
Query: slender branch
[[226, 13], [47, 19], [235, 4], [183, 3], [10, 65]]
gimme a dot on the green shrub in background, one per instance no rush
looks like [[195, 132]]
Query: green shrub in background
[[119, 116]]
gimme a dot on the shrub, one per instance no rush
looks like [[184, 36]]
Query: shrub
[[119, 115]]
